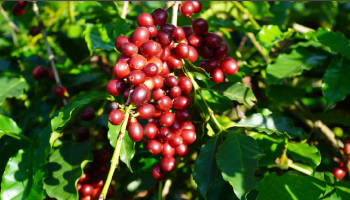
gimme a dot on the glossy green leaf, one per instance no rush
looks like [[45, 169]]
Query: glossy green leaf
[[100, 36], [65, 167], [342, 189], [330, 180], [238, 158], [305, 153], [291, 186], [198, 72], [12, 87], [284, 94], [8, 125], [269, 35], [273, 124], [258, 9], [221, 190], [335, 82], [205, 167], [216, 101], [127, 150], [235, 91], [280, 11], [293, 64]]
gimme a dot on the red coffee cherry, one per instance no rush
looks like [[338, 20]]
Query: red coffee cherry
[[217, 76], [171, 81], [139, 95], [152, 30], [120, 41], [178, 34], [346, 140], [196, 40], [110, 192], [87, 190], [181, 103], [176, 141], [168, 150], [150, 49], [87, 115], [150, 131], [112, 106], [97, 182], [212, 40], [155, 147], [116, 86], [137, 62], [145, 111], [156, 61], [192, 55], [186, 8], [157, 172], [165, 71], [136, 77], [140, 36], [135, 131], [183, 115], [347, 149], [116, 117], [130, 121], [102, 156], [22, 3], [189, 136], [34, 30], [129, 49], [200, 26], [164, 37], [167, 118], [158, 93], [158, 81], [176, 125], [160, 16], [339, 173], [187, 125], [206, 52], [212, 64], [121, 69], [59, 91], [221, 51], [51, 75], [164, 134], [181, 50], [188, 30], [197, 6], [229, 66], [154, 120], [175, 92], [123, 58], [168, 27], [164, 103], [103, 169], [149, 83], [39, 72], [96, 194], [18, 10], [168, 163], [185, 84], [151, 69], [84, 178], [167, 54], [171, 45], [157, 113], [175, 61], [145, 19], [181, 150], [86, 198]]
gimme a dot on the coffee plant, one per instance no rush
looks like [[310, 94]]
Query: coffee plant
[[174, 100]]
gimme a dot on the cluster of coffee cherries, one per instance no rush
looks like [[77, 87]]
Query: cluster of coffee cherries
[[83, 133], [41, 72], [340, 171], [91, 183], [19, 8]]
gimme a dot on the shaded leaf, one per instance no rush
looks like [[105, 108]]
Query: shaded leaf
[[12, 87], [100, 36], [342, 189], [335, 40], [198, 72], [216, 101], [258, 9], [284, 94], [305, 153], [8, 125], [280, 11], [234, 25], [221, 190]]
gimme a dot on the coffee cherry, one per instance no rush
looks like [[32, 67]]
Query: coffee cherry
[[39, 72], [157, 113], [96, 194], [221, 51], [347, 149], [97, 182], [164, 37], [149, 83], [112, 106], [187, 125], [181, 50], [181, 150], [168, 27], [178, 34], [346, 140], [136, 77], [110, 192], [79, 187], [137, 62], [175, 92], [212, 64], [164, 103], [229, 66], [196, 40], [152, 30], [168, 163], [18, 10], [217, 76], [171, 81], [130, 121], [188, 30], [158, 93], [197, 6], [150, 49], [158, 81], [184, 41], [135, 131], [155, 147], [165, 71], [339, 173], [103, 168], [164, 134], [151, 69], [34, 30], [175, 61], [160, 16], [121, 69], [116, 117], [82, 134], [140, 36], [86, 198], [183, 115], [157, 172], [156, 61], [84, 178], [139, 95], [192, 55], [206, 52], [167, 118], [176, 125], [200, 26], [171, 45], [87, 115], [22, 3], [145, 19], [129, 49], [186, 8], [102, 156], [59, 91], [212, 40], [168, 150], [185, 84], [116, 86], [87, 189], [120, 41], [123, 58], [154, 120], [150, 131], [176, 141], [189, 136], [181, 103], [145, 111]]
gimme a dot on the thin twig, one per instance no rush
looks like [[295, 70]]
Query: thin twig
[[12, 25], [174, 16], [242, 43], [245, 11], [257, 46], [168, 5], [125, 9], [302, 29], [71, 10]]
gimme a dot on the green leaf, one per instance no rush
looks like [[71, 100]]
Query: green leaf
[[234, 25], [216, 101], [65, 167], [237, 158], [342, 189], [284, 94], [121, 27], [305, 153], [335, 81], [8, 125], [273, 124], [127, 150], [221, 190], [235, 91], [280, 11], [269, 35], [258, 9], [205, 167], [17, 181], [293, 64], [12, 87], [292, 185], [100, 36], [198, 72]]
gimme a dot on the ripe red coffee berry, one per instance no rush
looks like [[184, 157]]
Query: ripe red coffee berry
[[189, 136], [87, 115], [150, 131], [135, 132], [136, 77], [157, 172], [164, 103], [123, 58], [187, 125], [96, 193], [84, 178], [181, 103], [168, 150], [196, 40], [183, 115], [188, 30], [158, 93], [151, 69], [164, 37], [112, 106], [160, 16], [171, 81], [59, 91], [110, 192], [51, 75], [149, 83], [176, 141], [229, 66], [137, 62], [212, 40], [164, 134], [339, 173], [139, 95], [97, 182], [181, 150], [18, 10], [175, 61], [217, 76], [200, 26], [156, 61], [197, 6], [34, 30], [175, 92], [116, 117], [103, 168], [145, 111], [87, 190], [206, 52], [165, 70], [185, 84], [129, 49], [121, 69], [168, 163], [186, 8], [178, 34], [22, 3], [116, 86], [86, 198], [145, 19], [140, 36], [221, 51], [158, 81], [102, 156], [171, 45], [181, 50], [168, 27], [167, 118], [157, 113], [192, 55], [39, 72], [347, 149], [120, 41], [150, 49], [212, 64], [155, 147], [152, 30]]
